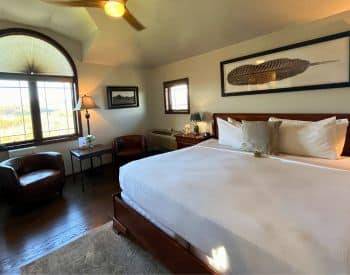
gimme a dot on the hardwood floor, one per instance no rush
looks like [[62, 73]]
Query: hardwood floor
[[32, 233]]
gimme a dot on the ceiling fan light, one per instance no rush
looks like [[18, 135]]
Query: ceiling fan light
[[114, 8]]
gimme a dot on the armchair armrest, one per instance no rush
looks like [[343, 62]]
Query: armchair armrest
[[9, 178]]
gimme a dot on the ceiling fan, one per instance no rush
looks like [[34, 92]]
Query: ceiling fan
[[113, 8]]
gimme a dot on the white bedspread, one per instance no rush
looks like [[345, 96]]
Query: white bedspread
[[251, 215]]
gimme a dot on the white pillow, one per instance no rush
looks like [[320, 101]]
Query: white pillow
[[230, 133], [234, 122], [341, 130], [313, 139]]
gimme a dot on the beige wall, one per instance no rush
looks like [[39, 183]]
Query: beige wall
[[93, 79], [205, 90]]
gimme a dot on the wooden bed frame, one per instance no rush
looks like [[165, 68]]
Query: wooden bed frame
[[178, 256]]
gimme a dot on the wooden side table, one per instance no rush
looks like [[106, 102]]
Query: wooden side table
[[184, 141], [82, 154]]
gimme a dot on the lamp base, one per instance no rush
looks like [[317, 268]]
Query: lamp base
[[87, 116], [196, 130]]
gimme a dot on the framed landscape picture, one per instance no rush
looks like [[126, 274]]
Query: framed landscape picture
[[122, 97], [321, 63]]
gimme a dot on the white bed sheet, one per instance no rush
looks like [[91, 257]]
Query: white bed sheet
[[148, 216], [258, 216]]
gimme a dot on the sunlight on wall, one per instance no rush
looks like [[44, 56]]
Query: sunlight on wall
[[219, 259]]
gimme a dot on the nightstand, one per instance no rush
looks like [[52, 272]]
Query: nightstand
[[183, 140]]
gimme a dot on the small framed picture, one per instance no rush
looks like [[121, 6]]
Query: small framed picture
[[122, 97]]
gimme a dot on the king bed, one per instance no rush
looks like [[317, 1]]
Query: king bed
[[212, 209]]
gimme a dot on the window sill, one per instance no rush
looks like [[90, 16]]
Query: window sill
[[177, 112], [36, 143]]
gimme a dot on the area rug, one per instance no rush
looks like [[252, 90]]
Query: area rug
[[101, 251]]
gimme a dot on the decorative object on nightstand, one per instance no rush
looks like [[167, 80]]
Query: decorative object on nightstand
[[90, 140], [195, 117], [187, 129], [86, 103], [184, 140]]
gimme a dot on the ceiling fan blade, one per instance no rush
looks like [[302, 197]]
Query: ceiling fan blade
[[133, 21], [78, 3]]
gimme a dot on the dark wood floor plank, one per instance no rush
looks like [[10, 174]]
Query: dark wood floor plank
[[33, 233]]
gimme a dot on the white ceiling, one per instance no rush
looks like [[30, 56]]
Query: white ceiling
[[75, 23], [176, 29]]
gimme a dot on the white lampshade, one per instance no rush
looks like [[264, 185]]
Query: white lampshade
[[86, 102]]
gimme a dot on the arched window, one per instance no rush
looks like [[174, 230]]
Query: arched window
[[38, 90]]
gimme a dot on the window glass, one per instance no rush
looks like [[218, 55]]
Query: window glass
[[37, 90], [179, 97], [176, 97], [27, 54], [15, 114], [56, 108]]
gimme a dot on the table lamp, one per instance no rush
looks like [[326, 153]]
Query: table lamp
[[196, 117], [86, 103]]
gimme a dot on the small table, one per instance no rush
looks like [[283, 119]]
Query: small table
[[184, 141], [81, 154]]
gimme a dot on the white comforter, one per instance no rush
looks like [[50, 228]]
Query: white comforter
[[252, 216]]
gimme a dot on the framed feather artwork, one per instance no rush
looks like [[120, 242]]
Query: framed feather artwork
[[321, 63]]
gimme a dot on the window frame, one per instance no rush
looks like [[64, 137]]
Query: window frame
[[167, 85], [33, 92]]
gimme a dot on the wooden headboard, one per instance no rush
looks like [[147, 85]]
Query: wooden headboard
[[265, 117]]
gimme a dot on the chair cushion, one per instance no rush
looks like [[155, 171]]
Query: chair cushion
[[39, 177]]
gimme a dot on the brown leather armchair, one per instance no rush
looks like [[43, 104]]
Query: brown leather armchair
[[128, 148], [33, 177]]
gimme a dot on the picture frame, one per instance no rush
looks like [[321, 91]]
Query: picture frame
[[316, 64], [119, 97]]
